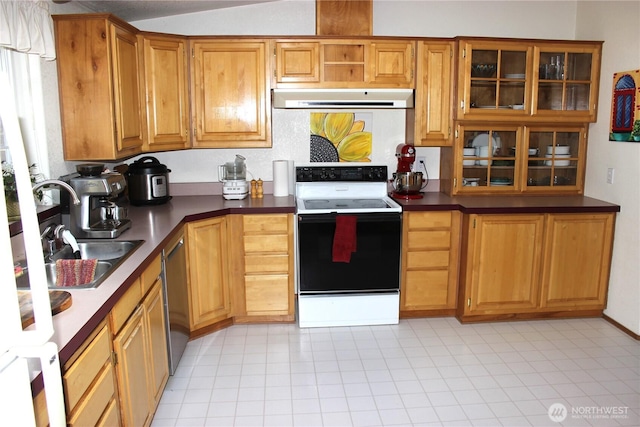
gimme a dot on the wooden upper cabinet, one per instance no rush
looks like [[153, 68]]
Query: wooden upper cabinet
[[165, 80], [392, 63], [343, 63], [99, 84], [530, 81], [297, 62], [344, 17], [430, 123], [230, 93]]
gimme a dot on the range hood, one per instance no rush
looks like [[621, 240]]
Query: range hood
[[343, 98]]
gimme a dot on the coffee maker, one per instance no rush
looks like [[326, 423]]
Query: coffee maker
[[406, 183], [98, 215], [233, 176]]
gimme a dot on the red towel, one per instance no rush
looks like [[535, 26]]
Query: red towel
[[75, 272], [344, 239]]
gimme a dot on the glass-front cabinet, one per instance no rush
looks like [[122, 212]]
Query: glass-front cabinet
[[513, 159], [527, 80], [555, 159], [494, 79], [566, 81], [485, 159]]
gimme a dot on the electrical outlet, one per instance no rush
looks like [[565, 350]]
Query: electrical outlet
[[420, 164], [610, 173]]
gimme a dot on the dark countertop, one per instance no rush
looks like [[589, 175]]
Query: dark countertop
[[156, 224], [507, 204]]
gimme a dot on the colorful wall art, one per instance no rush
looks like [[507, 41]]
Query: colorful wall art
[[625, 107], [340, 137]]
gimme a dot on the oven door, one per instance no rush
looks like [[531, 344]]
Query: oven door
[[374, 266]]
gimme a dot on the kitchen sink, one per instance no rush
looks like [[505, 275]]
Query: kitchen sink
[[102, 250], [109, 253]]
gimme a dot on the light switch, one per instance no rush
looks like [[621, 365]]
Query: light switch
[[610, 172]]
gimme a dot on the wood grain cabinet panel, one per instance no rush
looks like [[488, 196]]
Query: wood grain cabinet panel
[[344, 63], [165, 80], [140, 351], [230, 93], [130, 346], [263, 278], [577, 260], [505, 256], [89, 382], [297, 62], [430, 123], [430, 257], [535, 265], [209, 299], [99, 66]]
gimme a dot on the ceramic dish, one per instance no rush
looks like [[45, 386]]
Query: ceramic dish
[[514, 76], [482, 140]]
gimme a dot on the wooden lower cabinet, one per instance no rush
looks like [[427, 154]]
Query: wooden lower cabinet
[[262, 267], [140, 350], [89, 382], [207, 249], [430, 257], [577, 261], [158, 361], [534, 265]]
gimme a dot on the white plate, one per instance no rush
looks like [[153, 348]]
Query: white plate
[[482, 140], [514, 76], [492, 107], [472, 179]]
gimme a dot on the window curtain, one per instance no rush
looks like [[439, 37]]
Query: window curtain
[[26, 26]]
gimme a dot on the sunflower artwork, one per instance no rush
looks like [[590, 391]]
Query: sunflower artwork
[[339, 137]]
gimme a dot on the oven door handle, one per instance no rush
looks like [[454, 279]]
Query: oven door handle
[[361, 217]]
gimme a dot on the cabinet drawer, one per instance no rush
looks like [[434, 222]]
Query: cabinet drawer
[[266, 243], [266, 263], [111, 416], [427, 259], [83, 372], [437, 239], [265, 223], [125, 306], [426, 288], [428, 220], [151, 274], [96, 401], [267, 293]]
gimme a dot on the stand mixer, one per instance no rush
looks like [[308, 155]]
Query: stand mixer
[[406, 183], [233, 176]]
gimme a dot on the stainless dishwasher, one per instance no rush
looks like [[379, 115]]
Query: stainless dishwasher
[[174, 271]]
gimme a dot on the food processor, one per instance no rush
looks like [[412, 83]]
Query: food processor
[[233, 176]]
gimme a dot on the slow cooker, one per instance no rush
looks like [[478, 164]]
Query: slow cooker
[[148, 182]]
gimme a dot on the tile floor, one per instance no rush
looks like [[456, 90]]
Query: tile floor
[[420, 372]]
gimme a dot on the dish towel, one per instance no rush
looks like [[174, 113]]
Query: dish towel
[[75, 272], [344, 239]]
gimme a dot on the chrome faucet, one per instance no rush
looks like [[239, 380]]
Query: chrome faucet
[[74, 196], [51, 243]]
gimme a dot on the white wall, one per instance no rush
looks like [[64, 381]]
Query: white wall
[[614, 22], [618, 24]]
